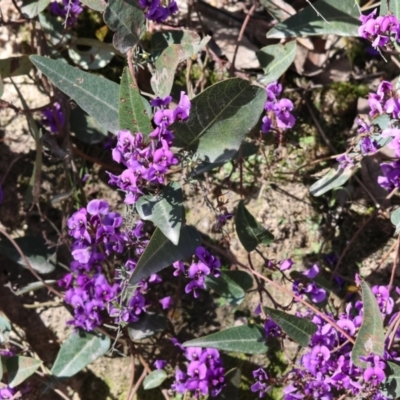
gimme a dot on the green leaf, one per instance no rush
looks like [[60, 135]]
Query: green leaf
[[32, 287], [371, 336], [299, 329], [395, 219], [231, 285], [148, 325], [97, 5], [278, 9], [96, 95], [127, 20], [220, 118], [5, 329], [78, 351], [231, 390], [19, 368], [275, 60], [31, 8], [390, 7], [85, 127], [241, 339], [94, 55], [167, 62], [15, 66], [133, 114], [164, 210], [36, 251], [54, 29], [161, 252], [335, 177], [249, 231], [154, 379], [391, 387], [340, 17], [1, 368]]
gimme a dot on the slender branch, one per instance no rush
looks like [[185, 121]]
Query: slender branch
[[396, 259]]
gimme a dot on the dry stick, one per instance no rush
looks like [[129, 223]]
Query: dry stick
[[347, 248], [34, 273], [332, 148], [386, 256], [240, 37], [396, 258], [283, 289], [138, 383]]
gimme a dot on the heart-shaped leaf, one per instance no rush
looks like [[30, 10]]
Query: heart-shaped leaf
[[242, 339], [249, 231], [337, 17], [336, 177], [133, 114], [299, 329], [96, 95], [164, 210], [154, 379], [40, 257], [161, 252], [275, 60], [78, 351], [127, 20], [371, 336], [19, 368], [220, 118]]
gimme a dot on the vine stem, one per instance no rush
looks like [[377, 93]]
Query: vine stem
[[28, 264], [396, 258], [283, 289]]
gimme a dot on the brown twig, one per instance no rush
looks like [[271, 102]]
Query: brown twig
[[26, 261], [137, 386], [348, 246], [240, 37], [396, 258], [283, 289]]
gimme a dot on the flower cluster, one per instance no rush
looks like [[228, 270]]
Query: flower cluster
[[204, 264], [390, 179], [204, 373], [148, 161], [381, 31], [308, 287], [326, 370], [53, 118], [278, 110], [67, 9], [98, 235], [156, 12], [260, 386]]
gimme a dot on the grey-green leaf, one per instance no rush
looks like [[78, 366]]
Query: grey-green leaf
[[5, 329], [395, 219], [40, 257], [86, 128], [167, 62], [132, 110], [96, 95], [278, 9], [335, 177], [32, 287], [371, 336], [78, 351], [97, 5], [164, 210], [19, 368], [299, 329], [31, 8], [220, 118], [275, 59], [15, 66], [1, 368], [231, 285], [391, 387], [148, 325], [242, 339], [390, 7], [127, 20], [161, 252], [249, 231], [337, 17], [154, 379]]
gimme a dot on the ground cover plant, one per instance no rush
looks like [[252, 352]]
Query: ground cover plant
[[128, 233]]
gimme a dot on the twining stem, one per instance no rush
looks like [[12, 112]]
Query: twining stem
[[283, 289]]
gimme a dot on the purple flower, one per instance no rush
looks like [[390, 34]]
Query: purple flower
[[282, 110], [286, 264], [158, 101], [266, 124], [159, 364], [374, 375], [368, 146], [391, 175], [166, 302], [312, 272], [345, 161], [97, 207], [181, 112], [52, 117]]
